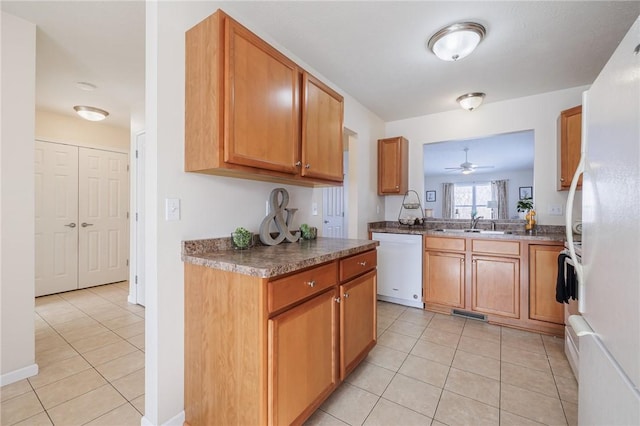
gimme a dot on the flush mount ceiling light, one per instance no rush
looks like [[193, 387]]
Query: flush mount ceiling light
[[456, 41], [91, 113], [87, 87], [471, 101]]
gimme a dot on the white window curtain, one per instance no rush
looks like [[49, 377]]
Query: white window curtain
[[499, 190], [448, 200]]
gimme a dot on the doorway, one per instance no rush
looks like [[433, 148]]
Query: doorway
[[81, 217], [334, 206]]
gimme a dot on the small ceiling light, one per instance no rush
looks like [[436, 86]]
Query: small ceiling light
[[91, 113], [456, 41], [88, 87], [471, 101]]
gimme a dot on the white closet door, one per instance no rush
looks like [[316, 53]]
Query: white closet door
[[103, 206], [56, 218]]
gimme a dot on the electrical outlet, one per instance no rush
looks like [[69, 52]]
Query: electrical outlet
[[266, 208], [172, 209], [314, 209], [377, 208], [555, 210]]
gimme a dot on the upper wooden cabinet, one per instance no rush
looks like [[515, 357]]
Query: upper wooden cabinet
[[322, 148], [393, 166], [252, 112], [570, 141]]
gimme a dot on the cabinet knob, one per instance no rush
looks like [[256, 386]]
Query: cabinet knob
[[363, 263], [311, 283], [561, 179], [307, 166], [337, 299], [397, 186], [346, 295], [298, 164]]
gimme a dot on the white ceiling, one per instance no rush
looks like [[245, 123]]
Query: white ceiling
[[374, 51]]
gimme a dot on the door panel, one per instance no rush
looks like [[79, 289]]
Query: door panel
[[333, 212], [103, 206], [56, 218]]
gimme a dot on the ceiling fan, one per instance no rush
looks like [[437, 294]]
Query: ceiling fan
[[467, 167]]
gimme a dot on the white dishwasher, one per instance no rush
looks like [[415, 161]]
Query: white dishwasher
[[400, 268]]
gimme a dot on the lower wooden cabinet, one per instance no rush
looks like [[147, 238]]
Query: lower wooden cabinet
[[444, 278], [357, 321], [543, 267], [495, 285], [264, 351], [303, 363]]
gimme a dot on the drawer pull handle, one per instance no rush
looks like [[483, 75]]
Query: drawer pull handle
[[363, 263], [311, 283]]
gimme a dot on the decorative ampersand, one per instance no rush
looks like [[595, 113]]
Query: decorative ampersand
[[277, 216]]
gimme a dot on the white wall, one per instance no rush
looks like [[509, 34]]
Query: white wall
[[16, 200], [53, 127], [538, 113], [211, 206], [516, 178]]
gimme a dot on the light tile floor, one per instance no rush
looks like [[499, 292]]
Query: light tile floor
[[433, 369], [427, 369], [90, 353]]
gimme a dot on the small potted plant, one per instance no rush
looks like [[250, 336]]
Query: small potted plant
[[242, 239], [524, 206], [308, 232]]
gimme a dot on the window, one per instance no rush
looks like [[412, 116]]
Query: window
[[472, 197]]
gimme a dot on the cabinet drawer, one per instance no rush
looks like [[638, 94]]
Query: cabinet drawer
[[439, 243], [285, 291], [356, 265], [509, 248]]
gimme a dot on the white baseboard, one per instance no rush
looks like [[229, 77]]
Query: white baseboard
[[177, 420], [17, 375], [131, 299]]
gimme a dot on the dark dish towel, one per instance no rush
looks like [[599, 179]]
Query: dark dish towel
[[562, 295], [571, 283]]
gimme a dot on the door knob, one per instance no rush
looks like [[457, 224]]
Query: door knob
[[71, 225], [85, 224], [326, 221]]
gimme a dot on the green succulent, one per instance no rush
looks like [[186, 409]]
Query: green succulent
[[242, 237]]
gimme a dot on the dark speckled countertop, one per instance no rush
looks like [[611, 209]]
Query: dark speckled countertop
[[516, 229], [270, 261]]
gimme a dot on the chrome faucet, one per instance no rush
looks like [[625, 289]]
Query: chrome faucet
[[474, 221]]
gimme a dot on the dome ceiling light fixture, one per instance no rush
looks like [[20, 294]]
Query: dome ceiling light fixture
[[456, 41], [471, 101], [91, 113]]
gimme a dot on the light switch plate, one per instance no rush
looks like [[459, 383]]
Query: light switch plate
[[314, 209], [555, 210], [172, 209]]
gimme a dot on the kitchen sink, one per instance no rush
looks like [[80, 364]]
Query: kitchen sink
[[473, 231]]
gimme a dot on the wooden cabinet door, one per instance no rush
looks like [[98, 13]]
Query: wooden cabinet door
[[570, 141], [443, 277], [357, 321], [495, 286], [302, 360], [322, 113], [261, 112], [393, 166], [543, 273]]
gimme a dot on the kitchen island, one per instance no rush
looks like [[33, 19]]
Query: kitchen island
[[505, 276], [270, 332]]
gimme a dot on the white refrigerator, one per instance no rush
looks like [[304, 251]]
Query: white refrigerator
[[609, 292]]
